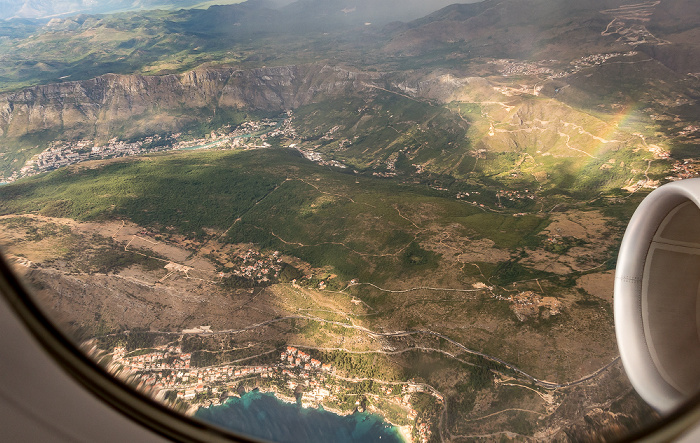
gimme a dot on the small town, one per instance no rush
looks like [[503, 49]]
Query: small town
[[317, 158], [511, 68], [168, 375], [599, 59], [508, 68], [61, 154], [248, 135]]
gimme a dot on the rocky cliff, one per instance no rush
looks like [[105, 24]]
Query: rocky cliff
[[136, 103]]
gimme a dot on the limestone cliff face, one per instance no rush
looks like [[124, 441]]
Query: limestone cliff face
[[164, 102]]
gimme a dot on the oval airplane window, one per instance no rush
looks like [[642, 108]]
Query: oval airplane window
[[352, 221]]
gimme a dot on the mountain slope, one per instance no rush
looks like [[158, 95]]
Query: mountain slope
[[109, 101], [542, 29]]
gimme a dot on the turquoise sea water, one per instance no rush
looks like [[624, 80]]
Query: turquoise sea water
[[264, 416]]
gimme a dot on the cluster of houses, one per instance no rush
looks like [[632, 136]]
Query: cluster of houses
[[687, 168], [598, 59], [170, 358], [242, 136], [513, 68], [384, 174], [644, 183], [168, 369], [424, 432], [255, 266], [285, 129], [271, 128], [200, 381], [300, 359], [659, 152], [316, 395], [391, 161], [61, 153], [461, 195], [510, 67], [314, 392], [689, 130], [317, 158], [515, 195], [590, 61]]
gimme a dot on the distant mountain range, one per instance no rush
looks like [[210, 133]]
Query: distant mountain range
[[373, 10], [41, 9], [545, 29]]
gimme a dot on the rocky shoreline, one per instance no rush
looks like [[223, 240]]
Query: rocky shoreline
[[404, 431]]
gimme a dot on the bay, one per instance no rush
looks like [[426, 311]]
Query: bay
[[264, 416]]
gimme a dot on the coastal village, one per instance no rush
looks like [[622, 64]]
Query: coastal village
[[168, 374]]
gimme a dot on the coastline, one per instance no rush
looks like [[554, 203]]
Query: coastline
[[404, 432]]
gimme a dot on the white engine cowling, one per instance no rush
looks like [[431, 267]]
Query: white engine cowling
[[657, 296]]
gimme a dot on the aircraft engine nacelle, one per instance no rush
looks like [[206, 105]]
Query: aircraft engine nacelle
[[657, 296]]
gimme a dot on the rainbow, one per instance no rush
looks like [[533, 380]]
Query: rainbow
[[613, 126]]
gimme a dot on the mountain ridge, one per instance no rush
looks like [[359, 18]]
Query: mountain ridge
[[106, 100]]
